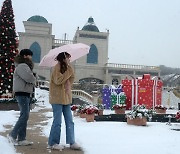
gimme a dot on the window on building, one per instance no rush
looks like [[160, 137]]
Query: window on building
[[92, 56], [36, 49]]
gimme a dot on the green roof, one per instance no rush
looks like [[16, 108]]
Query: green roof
[[37, 18], [90, 26]]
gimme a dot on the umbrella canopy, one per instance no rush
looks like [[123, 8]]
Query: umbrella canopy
[[75, 50]]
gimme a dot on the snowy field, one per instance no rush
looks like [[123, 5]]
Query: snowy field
[[107, 137]]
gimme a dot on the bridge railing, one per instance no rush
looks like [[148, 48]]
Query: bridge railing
[[42, 83], [129, 66], [83, 94], [76, 93]]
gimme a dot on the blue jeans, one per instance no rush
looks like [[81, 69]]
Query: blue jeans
[[55, 133], [19, 130]]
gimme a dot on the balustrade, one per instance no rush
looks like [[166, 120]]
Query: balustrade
[[129, 66], [83, 94], [79, 93], [58, 42]]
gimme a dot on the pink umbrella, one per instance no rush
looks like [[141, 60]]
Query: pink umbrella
[[75, 50]]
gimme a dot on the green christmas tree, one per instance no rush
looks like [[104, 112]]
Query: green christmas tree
[[8, 47]]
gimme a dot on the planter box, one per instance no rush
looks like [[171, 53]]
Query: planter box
[[122, 118], [100, 112], [12, 104], [160, 111], [120, 111], [137, 121], [9, 106], [75, 113], [82, 115], [90, 117]]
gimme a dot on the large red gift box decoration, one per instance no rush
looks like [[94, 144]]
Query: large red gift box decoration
[[145, 91]]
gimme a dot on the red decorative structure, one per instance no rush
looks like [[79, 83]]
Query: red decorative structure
[[145, 91]]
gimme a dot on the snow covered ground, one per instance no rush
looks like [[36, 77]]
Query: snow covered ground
[[107, 137]]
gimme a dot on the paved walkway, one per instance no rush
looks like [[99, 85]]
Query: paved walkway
[[34, 134]]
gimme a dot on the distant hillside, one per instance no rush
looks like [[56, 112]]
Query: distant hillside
[[170, 76], [171, 80], [168, 70]]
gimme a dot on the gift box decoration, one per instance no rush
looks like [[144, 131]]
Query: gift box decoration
[[122, 98], [117, 99], [106, 97], [143, 91], [111, 95], [128, 88]]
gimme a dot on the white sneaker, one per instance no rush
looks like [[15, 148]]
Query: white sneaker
[[24, 143], [12, 140], [75, 146], [56, 147]]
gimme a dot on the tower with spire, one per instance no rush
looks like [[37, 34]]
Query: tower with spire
[[97, 58]]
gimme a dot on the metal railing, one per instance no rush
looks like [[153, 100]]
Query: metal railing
[[42, 83], [76, 93], [59, 42], [129, 66], [83, 94]]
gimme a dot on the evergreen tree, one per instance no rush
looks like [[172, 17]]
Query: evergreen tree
[[8, 47]]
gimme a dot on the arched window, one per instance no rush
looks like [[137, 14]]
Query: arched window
[[36, 49], [92, 56]]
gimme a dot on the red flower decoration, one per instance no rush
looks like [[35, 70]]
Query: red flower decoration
[[161, 107], [74, 107], [83, 111], [92, 110], [177, 116]]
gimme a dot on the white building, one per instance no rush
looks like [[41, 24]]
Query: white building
[[92, 67]]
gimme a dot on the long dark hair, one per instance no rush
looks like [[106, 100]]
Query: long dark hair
[[61, 59]]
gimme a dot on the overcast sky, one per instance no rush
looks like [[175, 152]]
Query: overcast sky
[[142, 32]]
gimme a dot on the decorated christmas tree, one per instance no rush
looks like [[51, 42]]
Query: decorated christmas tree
[[8, 47]]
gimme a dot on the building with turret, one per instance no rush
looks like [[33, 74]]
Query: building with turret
[[93, 67]]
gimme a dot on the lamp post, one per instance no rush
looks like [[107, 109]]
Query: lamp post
[[168, 101]]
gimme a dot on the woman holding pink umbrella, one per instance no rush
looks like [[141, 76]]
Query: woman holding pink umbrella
[[60, 97]]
